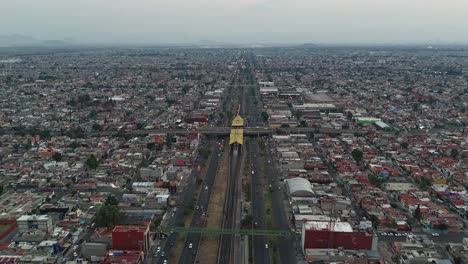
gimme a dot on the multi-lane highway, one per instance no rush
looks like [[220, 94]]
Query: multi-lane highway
[[285, 245], [178, 218], [192, 241], [261, 246]]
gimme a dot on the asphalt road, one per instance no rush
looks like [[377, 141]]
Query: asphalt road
[[186, 195], [69, 255], [261, 247], [285, 244], [192, 241]]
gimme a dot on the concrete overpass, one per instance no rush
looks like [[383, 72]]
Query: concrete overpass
[[225, 131]]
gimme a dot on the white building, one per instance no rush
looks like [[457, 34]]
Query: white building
[[27, 223]]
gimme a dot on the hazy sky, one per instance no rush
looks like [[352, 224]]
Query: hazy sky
[[162, 21]]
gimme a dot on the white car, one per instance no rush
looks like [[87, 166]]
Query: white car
[[435, 234], [266, 245], [158, 249], [190, 245], [383, 234]]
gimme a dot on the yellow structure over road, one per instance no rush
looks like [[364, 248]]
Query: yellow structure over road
[[237, 135], [237, 131], [238, 121]]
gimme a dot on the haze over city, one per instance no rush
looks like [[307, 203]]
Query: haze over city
[[241, 21]]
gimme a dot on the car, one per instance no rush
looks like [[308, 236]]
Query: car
[[206, 188], [165, 261], [253, 172], [172, 231], [163, 254], [190, 245], [435, 234], [172, 215], [255, 224], [198, 207], [266, 245], [158, 249], [383, 234], [269, 161], [398, 234], [75, 254], [390, 234]]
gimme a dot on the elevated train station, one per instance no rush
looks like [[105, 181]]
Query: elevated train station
[[236, 137]]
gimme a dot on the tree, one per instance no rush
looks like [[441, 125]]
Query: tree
[[57, 156], [140, 125], [454, 153], [404, 145], [417, 213], [357, 154], [111, 200], [107, 216], [93, 114], [74, 145], [169, 141], [92, 162], [1, 189], [374, 220], [265, 116], [299, 114], [442, 226], [96, 127]]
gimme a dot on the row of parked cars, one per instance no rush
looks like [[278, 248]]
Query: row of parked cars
[[395, 234]]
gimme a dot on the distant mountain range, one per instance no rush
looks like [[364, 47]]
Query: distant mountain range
[[22, 40]]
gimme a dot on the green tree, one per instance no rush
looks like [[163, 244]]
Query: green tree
[[169, 141], [442, 226], [1, 189], [357, 154], [417, 213], [265, 116], [73, 145], [57, 156], [299, 114], [92, 162], [454, 153], [404, 145], [96, 127], [92, 114], [140, 125], [107, 216]]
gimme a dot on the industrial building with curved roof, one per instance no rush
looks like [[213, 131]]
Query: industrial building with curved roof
[[299, 187]]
